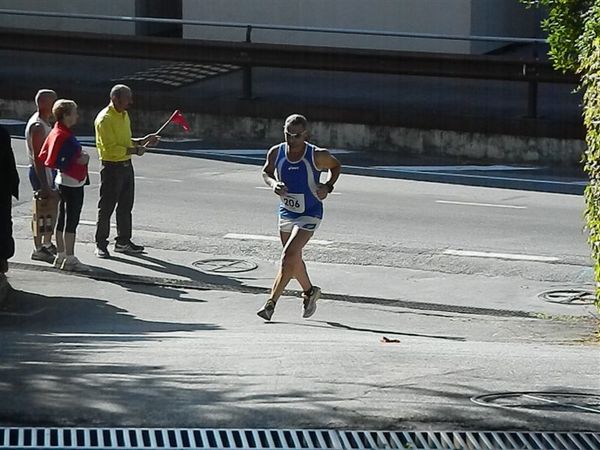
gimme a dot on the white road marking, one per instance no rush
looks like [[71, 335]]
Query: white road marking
[[91, 172], [260, 237], [171, 180], [460, 168], [511, 256], [490, 205], [92, 223], [267, 188]]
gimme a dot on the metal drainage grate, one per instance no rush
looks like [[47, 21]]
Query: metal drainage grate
[[222, 265], [578, 296], [178, 438], [539, 400]]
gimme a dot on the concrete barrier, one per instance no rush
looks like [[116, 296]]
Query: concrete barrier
[[237, 131]]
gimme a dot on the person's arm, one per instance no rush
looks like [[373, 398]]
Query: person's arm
[[69, 153], [326, 161], [38, 136], [268, 173], [147, 141]]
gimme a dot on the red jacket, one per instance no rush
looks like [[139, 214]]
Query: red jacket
[[61, 150]]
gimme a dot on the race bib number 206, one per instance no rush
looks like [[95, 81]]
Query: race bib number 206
[[293, 202]]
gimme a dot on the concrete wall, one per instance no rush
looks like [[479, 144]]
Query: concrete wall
[[227, 131], [116, 8]]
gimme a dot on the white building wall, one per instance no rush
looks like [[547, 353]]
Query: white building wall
[[413, 16], [451, 17], [502, 18], [112, 7]]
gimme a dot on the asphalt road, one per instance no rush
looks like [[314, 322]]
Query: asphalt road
[[81, 351], [191, 204]]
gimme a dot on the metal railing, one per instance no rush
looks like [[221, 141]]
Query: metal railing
[[249, 27], [248, 54]]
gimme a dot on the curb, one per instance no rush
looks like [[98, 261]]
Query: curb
[[101, 275], [5, 289]]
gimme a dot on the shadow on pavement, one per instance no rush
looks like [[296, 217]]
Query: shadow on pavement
[[45, 314], [154, 286]]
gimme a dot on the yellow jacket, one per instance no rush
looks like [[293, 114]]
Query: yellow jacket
[[113, 134]]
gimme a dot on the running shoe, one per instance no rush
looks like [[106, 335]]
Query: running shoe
[[128, 247], [42, 254], [309, 305], [72, 264], [266, 312]]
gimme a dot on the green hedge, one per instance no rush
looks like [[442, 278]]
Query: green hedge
[[573, 28], [589, 67]]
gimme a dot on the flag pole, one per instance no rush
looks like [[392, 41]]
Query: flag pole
[[164, 125]]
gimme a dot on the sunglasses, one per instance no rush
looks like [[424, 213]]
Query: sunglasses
[[293, 135]]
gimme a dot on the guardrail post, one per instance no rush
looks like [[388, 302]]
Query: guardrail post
[[532, 102], [532, 97], [247, 74]]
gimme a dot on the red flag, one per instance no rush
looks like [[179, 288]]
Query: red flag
[[177, 118]]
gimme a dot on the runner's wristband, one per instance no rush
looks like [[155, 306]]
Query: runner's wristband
[[329, 187]]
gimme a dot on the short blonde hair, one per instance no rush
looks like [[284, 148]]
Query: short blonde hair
[[63, 108]]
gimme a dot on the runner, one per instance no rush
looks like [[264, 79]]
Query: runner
[[293, 169]]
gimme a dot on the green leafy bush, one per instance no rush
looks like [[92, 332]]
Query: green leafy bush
[[573, 28]]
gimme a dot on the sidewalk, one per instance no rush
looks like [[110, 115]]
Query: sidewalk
[[106, 348], [372, 285]]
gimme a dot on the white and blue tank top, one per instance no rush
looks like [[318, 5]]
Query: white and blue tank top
[[301, 178]]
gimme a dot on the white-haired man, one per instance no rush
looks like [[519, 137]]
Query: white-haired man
[[117, 183]]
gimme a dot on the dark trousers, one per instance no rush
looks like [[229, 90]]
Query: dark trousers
[[7, 243], [117, 189], [69, 208]]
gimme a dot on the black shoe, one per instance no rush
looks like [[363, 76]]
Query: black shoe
[[51, 248], [102, 252], [42, 254], [128, 247]]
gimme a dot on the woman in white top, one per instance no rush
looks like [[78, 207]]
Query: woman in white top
[[61, 150]]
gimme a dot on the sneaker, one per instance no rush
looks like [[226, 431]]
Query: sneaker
[[102, 252], [129, 247], [43, 254], [58, 261], [72, 264], [51, 248], [309, 305], [266, 312]]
